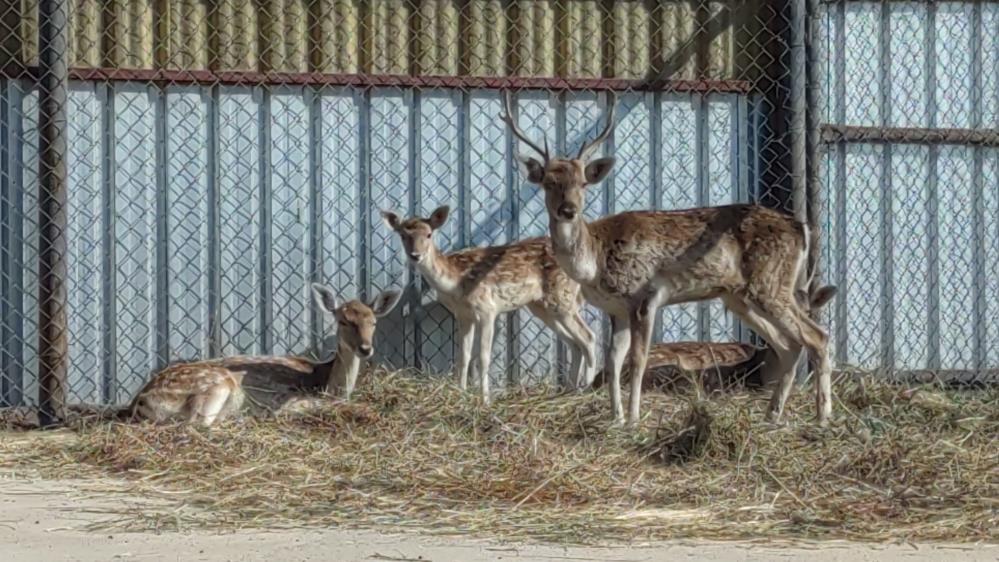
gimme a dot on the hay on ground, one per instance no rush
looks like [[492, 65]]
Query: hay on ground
[[412, 452]]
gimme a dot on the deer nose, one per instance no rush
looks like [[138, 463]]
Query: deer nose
[[414, 256], [567, 211], [365, 350]]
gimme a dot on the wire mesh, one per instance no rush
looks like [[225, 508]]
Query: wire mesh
[[910, 112], [222, 155]]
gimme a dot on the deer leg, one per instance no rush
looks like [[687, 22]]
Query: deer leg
[[786, 349], [620, 342], [801, 331], [207, 407], [580, 340], [816, 340], [486, 325], [641, 337], [557, 325], [587, 343], [466, 341]]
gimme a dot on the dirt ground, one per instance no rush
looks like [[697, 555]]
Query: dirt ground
[[45, 520]]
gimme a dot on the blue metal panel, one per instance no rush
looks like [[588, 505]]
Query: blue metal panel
[[389, 188], [222, 214], [289, 129], [860, 49], [19, 258], [863, 255], [239, 186], [535, 114], [188, 207], [632, 141], [907, 44], [135, 236], [340, 199], [909, 252], [85, 260], [990, 196], [953, 64], [990, 65], [28, 183], [956, 233], [679, 191], [439, 183], [721, 190], [832, 263], [488, 199]]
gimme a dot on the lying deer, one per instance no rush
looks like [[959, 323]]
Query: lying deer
[[478, 284], [630, 264], [719, 366], [208, 391]]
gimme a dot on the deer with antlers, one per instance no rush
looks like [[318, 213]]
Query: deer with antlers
[[630, 264], [206, 392], [478, 284]]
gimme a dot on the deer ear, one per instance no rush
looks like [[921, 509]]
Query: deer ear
[[385, 302], [325, 298], [439, 216], [391, 219], [822, 296], [598, 169], [532, 170]]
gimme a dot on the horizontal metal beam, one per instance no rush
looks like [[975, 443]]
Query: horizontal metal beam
[[909, 135], [240, 78]]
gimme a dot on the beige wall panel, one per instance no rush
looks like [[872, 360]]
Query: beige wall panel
[[485, 44]]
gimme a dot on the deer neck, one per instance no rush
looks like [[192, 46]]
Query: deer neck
[[575, 249], [343, 371], [439, 272]]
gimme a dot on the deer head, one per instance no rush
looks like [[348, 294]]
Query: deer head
[[564, 180], [356, 321], [417, 233]]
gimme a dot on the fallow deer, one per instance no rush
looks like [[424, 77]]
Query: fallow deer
[[630, 264], [208, 391], [717, 365], [478, 284]]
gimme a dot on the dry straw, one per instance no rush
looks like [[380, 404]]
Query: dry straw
[[411, 452]]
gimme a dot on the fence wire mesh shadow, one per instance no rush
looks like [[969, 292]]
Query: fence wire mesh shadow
[[222, 155]]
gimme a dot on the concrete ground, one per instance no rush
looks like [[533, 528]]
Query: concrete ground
[[44, 520]]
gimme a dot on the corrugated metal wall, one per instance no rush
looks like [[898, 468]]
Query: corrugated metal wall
[[198, 215], [568, 38], [912, 232]]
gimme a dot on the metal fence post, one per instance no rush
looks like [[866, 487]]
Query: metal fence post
[[798, 127], [815, 203], [798, 103], [52, 271]]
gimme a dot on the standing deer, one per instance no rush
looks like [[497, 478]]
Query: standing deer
[[478, 284], [718, 365], [208, 391], [630, 264]]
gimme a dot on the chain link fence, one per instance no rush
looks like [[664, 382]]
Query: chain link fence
[[911, 173], [223, 154]]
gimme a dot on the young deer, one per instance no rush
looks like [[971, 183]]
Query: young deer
[[632, 263], [478, 284], [208, 391], [719, 366]]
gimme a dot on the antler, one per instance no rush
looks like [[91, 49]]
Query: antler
[[589, 147], [507, 117]]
